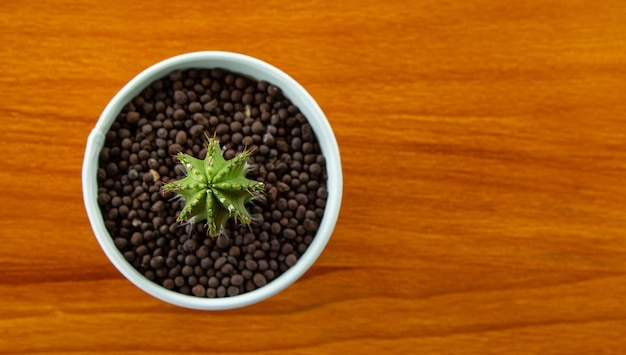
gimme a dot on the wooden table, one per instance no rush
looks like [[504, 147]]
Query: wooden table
[[484, 155]]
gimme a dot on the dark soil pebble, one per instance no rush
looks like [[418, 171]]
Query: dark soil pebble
[[171, 115]]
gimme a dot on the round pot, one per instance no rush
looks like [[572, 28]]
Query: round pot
[[258, 70]]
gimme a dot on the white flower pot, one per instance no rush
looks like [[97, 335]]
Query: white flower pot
[[250, 67]]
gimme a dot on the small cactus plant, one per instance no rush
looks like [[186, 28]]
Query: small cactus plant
[[214, 188]]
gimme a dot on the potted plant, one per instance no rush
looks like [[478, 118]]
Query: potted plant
[[256, 170]]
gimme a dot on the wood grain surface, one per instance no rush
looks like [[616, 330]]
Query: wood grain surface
[[484, 155]]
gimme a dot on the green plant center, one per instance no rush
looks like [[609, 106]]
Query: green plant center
[[215, 189]]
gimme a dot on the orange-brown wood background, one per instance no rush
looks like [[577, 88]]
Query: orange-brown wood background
[[484, 155]]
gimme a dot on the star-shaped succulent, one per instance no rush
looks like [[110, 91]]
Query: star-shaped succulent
[[214, 188]]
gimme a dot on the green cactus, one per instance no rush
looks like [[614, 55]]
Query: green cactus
[[214, 188]]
